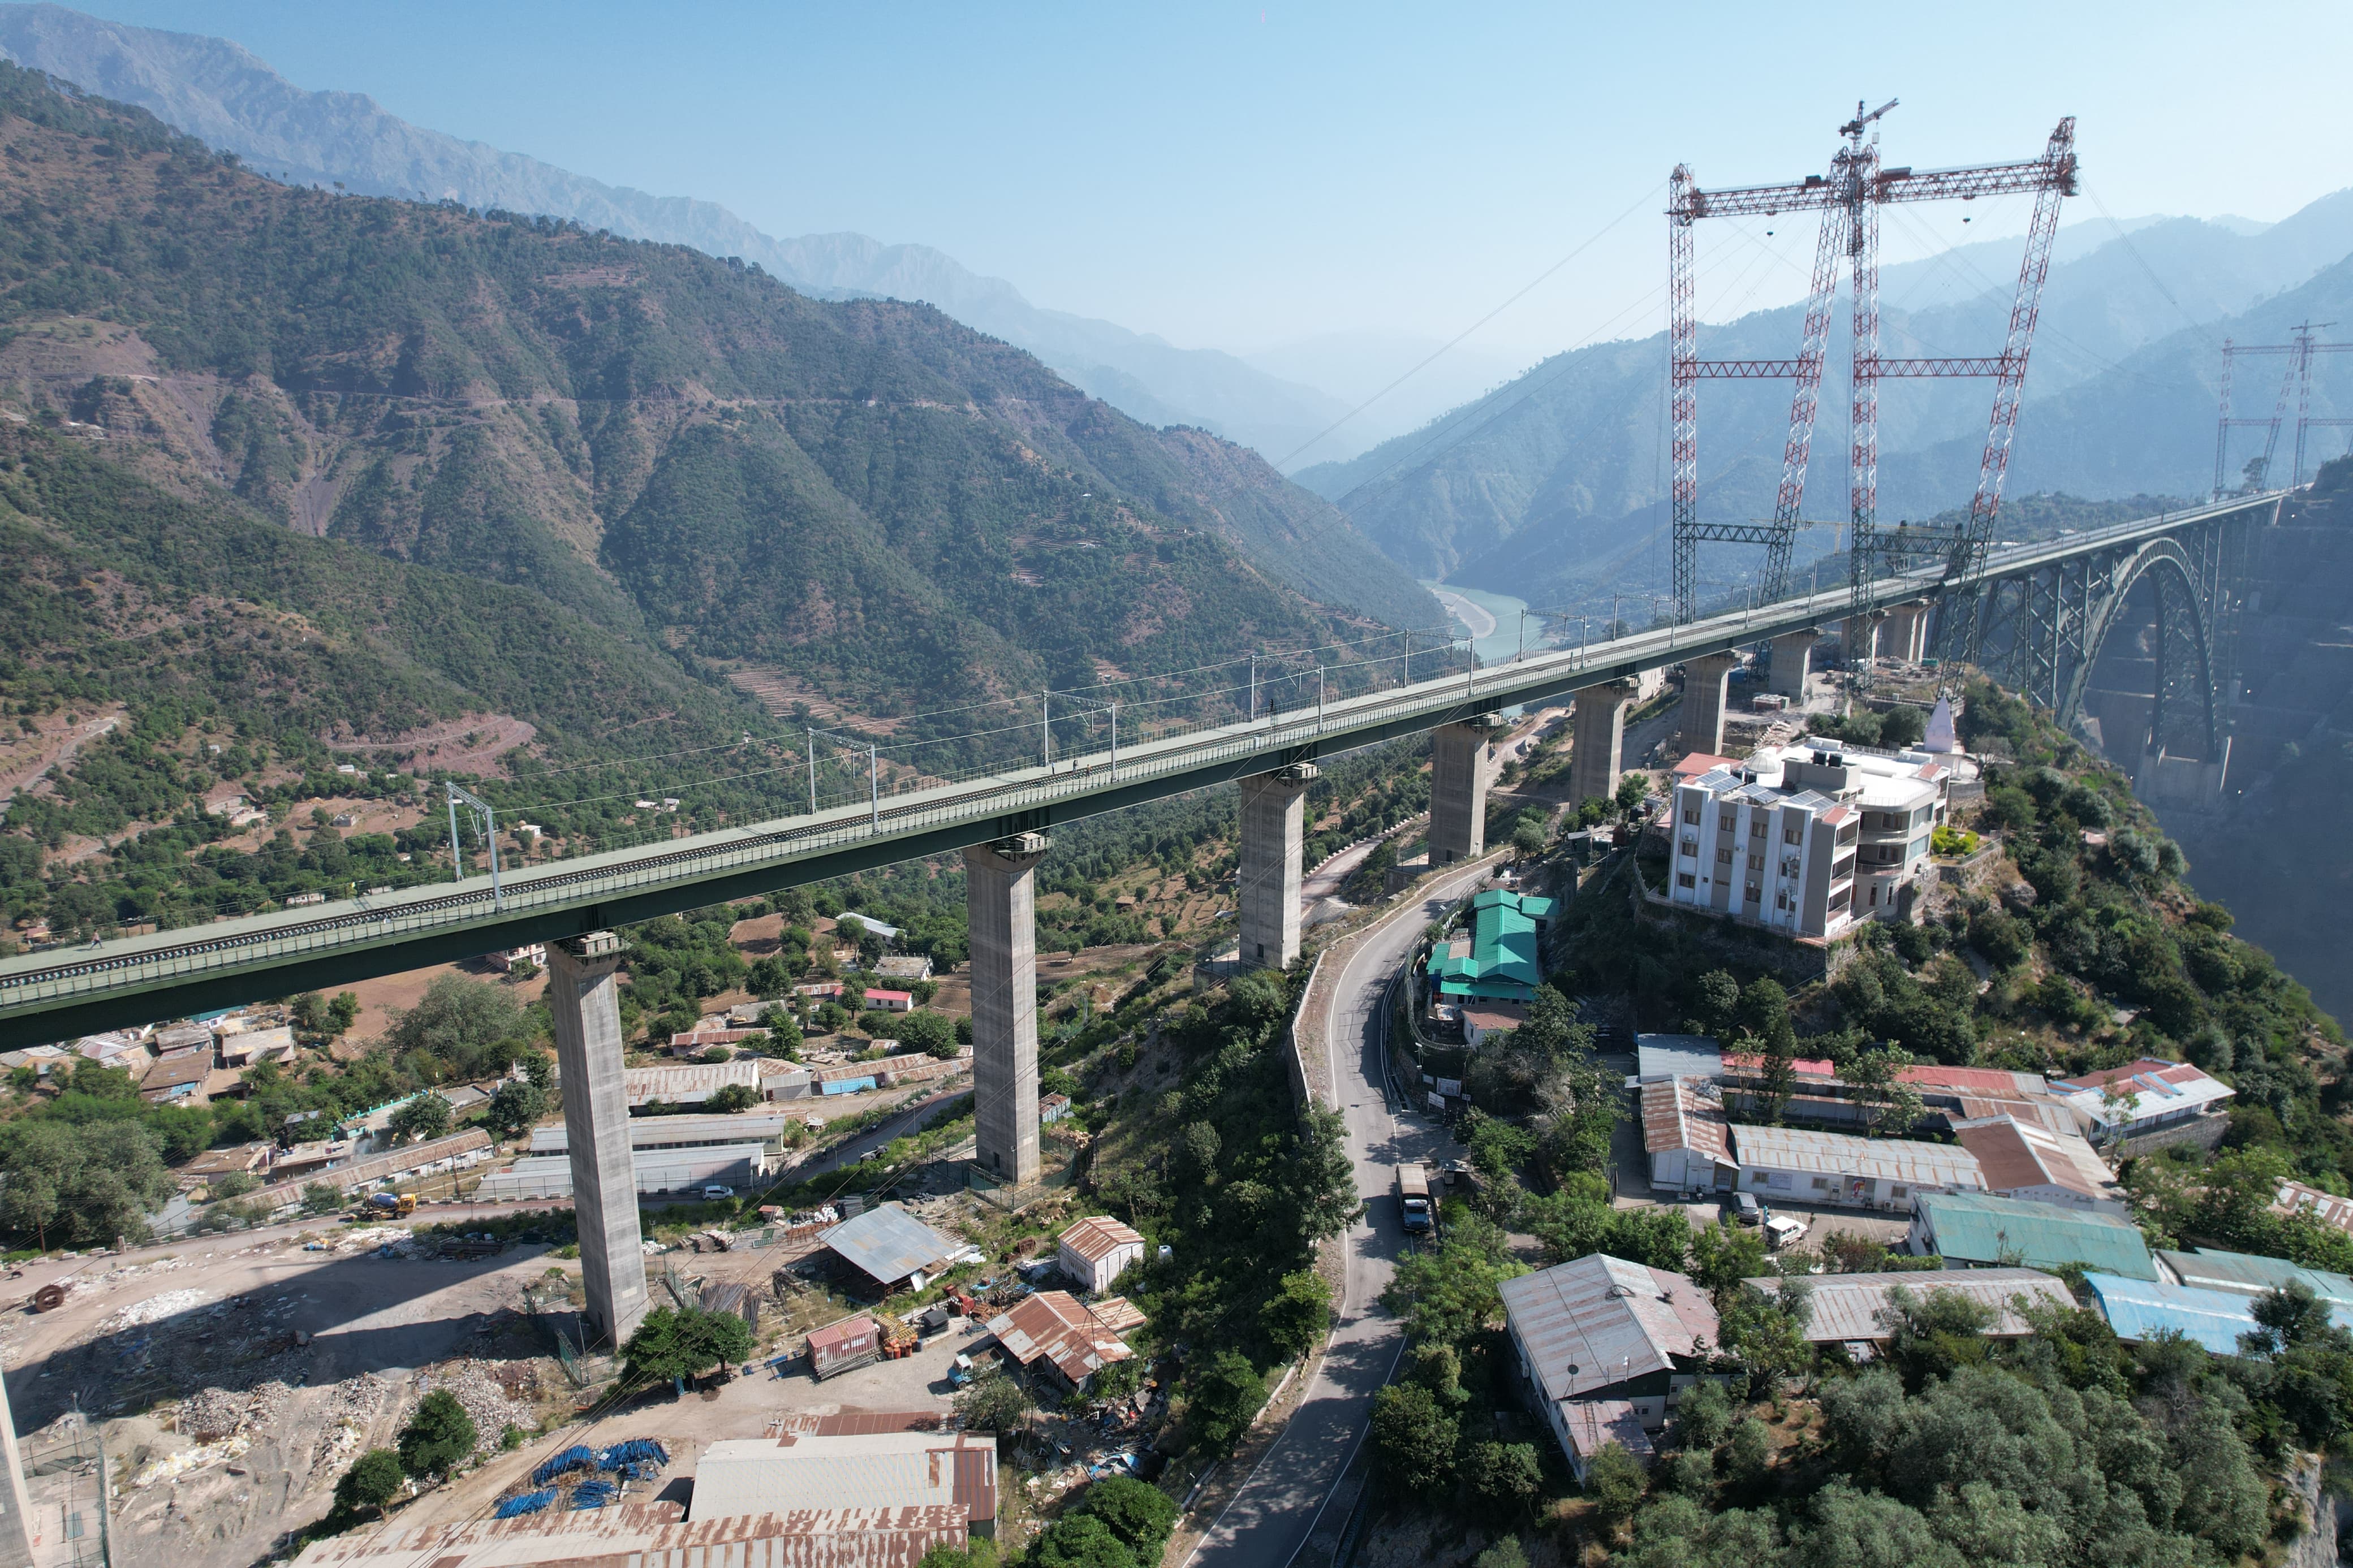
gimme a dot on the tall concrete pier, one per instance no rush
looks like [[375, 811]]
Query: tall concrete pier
[[1272, 818], [1600, 734], [1859, 637], [1458, 789], [1001, 907], [584, 998], [16, 1529], [1704, 680], [1793, 653], [1906, 636]]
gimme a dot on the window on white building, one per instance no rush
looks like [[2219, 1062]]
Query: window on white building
[[1685, 879]]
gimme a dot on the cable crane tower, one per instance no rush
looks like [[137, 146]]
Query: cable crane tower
[[1849, 198], [2295, 379]]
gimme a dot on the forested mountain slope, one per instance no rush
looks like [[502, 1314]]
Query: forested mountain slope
[[863, 498], [219, 92]]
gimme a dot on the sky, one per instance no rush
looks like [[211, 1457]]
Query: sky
[[1241, 176]]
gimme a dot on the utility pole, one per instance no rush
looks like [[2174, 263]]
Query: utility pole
[[1253, 713], [486, 823], [812, 757], [875, 787], [1046, 723], [1114, 743]]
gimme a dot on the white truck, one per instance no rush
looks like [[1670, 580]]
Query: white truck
[[1413, 1198]]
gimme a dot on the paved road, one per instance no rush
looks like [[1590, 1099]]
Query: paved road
[[1278, 1508]]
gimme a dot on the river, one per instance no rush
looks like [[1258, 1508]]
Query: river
[[1492, 619]]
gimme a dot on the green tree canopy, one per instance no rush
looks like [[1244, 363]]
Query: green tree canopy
[[440, 1437]]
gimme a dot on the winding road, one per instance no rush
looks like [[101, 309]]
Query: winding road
[[1280, 1507]]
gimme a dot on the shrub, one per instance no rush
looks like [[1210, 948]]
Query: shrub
[[440, 1437]]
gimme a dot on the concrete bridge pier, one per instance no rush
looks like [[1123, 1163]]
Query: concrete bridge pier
[[1859, 637], [1599, 716], [1001, 906], [1905, 638], [1458, 789], [1704, 680], [1273, 818], [1793, 654], [584, 998]]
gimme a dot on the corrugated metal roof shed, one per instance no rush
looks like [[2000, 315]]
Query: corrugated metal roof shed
[[889, 1244], [2015, 1153], [2144, 1308], [1841, 1155], [869, 1470], [1057, 1326], [1970, 1227], [2327, 1207], [678, 1132], [1677, 1056], [2244, 1274], [651, 1535], [1601, 1320], [1676, 1115], [1592, 1424], [1849, 1305]]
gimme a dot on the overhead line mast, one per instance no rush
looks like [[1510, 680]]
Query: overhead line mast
[[1849, 198]]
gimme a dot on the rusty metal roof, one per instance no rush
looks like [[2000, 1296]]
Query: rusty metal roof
[[1850, 1306], [2015, 1154], [1678, 1115], [1597, 1323], [651, 1535], [747, 1476], [1058, 1326], [1591, 1423], [1097, 1236]]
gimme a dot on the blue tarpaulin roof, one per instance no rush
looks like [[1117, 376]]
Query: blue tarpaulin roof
[[2144, 1308]]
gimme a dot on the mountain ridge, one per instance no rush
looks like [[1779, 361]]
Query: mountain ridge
[[228, 97]]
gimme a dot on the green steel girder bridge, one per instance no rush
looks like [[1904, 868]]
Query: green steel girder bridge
[[2040, 613]]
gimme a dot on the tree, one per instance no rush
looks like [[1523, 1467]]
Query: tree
[[931, 1033], [992, 1402], [1297, 1315], [321, 1198], [471, 1028], [1506, 1553], [1452, 1294], [1140, 1515], [1079, 1541], [1414, 1437], [91, 1185], [785, 1037], [730, 1098], [1614, 1481], [514, 1105], [976, 1553], [1715, 998], [1506, 1475], [373, 1481], [422, 1117], [673, 1344], [438, 1438], [1223, 1395], [1632, 790], [236, 1185]]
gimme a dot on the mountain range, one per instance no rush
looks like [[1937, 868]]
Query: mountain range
[[219, 92], [857, 508]]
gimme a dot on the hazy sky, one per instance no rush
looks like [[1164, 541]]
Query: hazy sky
[[1238, 176]]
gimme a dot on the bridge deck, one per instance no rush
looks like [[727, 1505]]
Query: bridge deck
[[57, 994]]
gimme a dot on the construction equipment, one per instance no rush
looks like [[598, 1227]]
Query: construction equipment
[[393, 1206], [1849, 198]]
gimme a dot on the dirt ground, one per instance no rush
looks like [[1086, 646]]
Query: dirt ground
[[236, 1378], [389, 994]]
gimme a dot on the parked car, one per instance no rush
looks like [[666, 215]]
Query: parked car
[[1781, 1230], [714, 1192], [1743, 1208]]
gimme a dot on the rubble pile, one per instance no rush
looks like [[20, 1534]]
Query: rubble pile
[[369, 1238], [480, 1388], [348, 1407], [155, 1308]]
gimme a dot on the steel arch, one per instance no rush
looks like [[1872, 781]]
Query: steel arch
[[2176, 573]]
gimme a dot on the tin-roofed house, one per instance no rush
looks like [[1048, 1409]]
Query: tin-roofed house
[[1055, 1330], [1602, 1341], [737, 1477], [2027, 1160], [891, 1247], [1860, 1310], [2149, 1103], [1974, 1230], [2246, 1274], [1686, 1138], [1097, 1250], [1793, 1164], [2142, 1309], [1504, 959]]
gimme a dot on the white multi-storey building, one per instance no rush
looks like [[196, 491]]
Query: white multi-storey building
[[1805, 838]]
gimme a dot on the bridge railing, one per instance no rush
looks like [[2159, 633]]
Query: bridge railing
[[924, 806]]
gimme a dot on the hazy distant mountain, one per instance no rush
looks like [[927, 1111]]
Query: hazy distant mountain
[[220, 92], [1551, 484], [1359, 366]]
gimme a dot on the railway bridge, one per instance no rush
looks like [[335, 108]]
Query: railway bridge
[[2040, 614]]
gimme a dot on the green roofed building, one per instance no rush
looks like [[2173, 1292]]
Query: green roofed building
[[1971, 1231], [1504, 959]]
